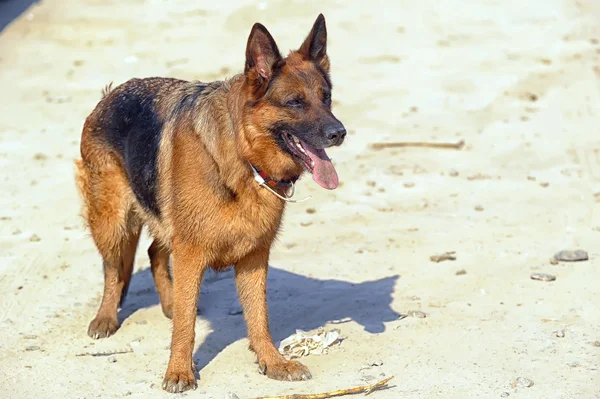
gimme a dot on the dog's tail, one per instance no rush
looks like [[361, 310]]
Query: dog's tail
[[107, 89]]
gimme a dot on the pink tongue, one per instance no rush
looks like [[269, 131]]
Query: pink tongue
[[323, 173]]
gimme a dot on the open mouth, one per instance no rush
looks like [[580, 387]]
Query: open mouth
[[295, 146], [315, 160]]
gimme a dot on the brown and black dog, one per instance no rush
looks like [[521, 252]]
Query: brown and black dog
[[180, 157]]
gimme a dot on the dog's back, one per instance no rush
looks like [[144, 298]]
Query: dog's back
[[128, 124]]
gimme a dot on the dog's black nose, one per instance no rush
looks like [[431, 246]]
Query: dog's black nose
[[335, 133]]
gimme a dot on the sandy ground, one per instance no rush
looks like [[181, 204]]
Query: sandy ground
[[518, 81]]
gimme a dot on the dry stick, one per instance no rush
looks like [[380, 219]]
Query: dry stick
[[380, 146], [367, 389], [106, 353], [442, 257]]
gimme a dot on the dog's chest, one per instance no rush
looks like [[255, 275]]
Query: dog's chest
[[248, 231]]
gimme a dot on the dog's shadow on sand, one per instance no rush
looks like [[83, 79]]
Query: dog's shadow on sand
[[295, 302]]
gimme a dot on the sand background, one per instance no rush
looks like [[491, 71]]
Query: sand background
[[518, 81]]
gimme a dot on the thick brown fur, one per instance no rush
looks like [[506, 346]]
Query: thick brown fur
[[174, 156]]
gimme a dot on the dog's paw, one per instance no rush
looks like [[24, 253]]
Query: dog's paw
[[176, 381], [102, 327], [286, 371]]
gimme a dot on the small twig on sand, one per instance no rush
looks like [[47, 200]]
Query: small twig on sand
[[442, 257], [398, 144], [366, 389], [106, 353]]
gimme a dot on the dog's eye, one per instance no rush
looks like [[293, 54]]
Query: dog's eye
[[326, 97], [294, 103]]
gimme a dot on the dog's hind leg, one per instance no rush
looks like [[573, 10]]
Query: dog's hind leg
[[159, 264], [108, 202], [128, 257]]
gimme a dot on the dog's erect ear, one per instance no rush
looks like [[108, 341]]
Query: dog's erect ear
[[262, 57], [315, 44]]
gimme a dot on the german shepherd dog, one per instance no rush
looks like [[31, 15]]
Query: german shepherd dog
[[184, 158]]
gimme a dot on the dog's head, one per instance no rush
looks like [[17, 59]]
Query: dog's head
[[287, 117]]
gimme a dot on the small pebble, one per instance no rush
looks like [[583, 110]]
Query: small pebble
[[30, 336], [453, 172], [311, 210], [305, 224], [112, 359], [235, 311], [523, 382], [461, 272], [231, 395], [409, 184], [504, 395], [142, 322], [559, 334], [544, 184], [32, 348], [542, 277], [596, 344], [573, 364], [416, 313], [571, 255], [34, 238], [370, 365], [553, 261], [479, 208], [235, 308]]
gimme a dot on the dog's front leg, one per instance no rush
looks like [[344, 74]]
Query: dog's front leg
[[251, 281], [188, 267]]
